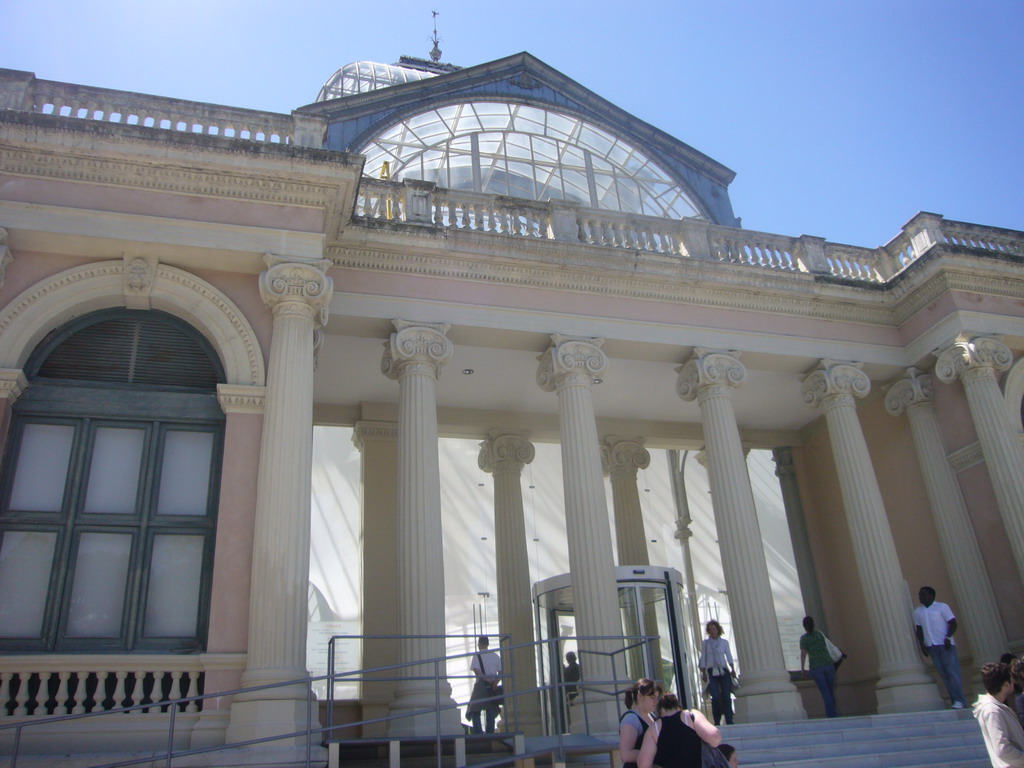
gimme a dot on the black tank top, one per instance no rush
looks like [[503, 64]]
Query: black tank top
[[679, 746], [644, 725]]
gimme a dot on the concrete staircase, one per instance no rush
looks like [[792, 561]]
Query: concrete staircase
[[943, 739]]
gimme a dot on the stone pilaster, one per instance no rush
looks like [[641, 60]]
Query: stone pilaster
[[975, 362], [414, 355], [795, 520], [767, 693], [298, 293], [622, 457], [568, 368], [377, 442], [976, 603], [903, 683], [503, 456]]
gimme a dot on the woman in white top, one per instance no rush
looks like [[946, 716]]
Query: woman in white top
[[716, 669]]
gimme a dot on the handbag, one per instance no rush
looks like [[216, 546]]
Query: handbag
[[710, 757], [834, 653]]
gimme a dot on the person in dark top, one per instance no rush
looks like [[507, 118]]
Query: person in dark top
[[641, 700], [571, 674], [676, 739]]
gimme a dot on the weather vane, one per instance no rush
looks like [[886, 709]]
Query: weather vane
[[435, 52]]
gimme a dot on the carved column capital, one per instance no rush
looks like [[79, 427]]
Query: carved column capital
[[623, 456], [505, 453], [241, 398], [835, 383], [914, 387], [571, 361], [416, 348], [707, 368], [291, 287], [970, 359], [12, 384]]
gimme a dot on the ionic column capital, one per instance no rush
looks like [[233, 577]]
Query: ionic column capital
[[707, 368], [835, 383], [970, 359], [416, 348], [571, 361], [293, 287], [913, 388], [505, 453], [623, 456]]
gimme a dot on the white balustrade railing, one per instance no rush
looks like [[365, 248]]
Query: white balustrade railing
[[426, 204], [129, 108], [40, 685], [987, 238], [759, 249]]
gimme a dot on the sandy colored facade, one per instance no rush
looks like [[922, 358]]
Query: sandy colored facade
[[298, 272]]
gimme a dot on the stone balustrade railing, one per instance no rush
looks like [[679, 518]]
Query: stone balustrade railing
[[41, 685], [423, 203], [23, 91]]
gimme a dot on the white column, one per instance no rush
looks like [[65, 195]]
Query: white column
[[976, 603], [622, 457], [767, 693], [903, 684], [975, 361], [504, 455], [298, 294], [414, 355], [568, 368]]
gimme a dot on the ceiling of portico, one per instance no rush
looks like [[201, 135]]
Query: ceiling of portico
[[637, 389]]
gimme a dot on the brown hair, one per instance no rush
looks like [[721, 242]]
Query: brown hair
[[668, 702], [642, 687], [994, 676]]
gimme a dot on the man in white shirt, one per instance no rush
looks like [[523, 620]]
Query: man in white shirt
[[935, 625], [486, 695], [1004, 737]]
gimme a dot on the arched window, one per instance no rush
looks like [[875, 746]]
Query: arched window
[[518, 150], [109, 489]]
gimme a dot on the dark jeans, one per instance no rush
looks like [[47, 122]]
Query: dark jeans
[[825, 677], [720, 687], [475, 720]]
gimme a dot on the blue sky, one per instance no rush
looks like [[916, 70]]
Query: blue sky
[[842, 119]]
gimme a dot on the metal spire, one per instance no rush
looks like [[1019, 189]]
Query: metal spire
[[435, 52]]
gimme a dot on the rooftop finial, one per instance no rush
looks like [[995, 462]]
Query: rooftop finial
[[435, 52]]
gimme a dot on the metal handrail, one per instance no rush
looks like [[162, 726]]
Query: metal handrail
[[585, 687]]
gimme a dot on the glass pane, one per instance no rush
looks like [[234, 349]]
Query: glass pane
[[185, 473], [25, 561], [175, 572], [114, 475], [42, 467], [97, 597]]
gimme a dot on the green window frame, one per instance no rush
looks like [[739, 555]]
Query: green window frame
[[125, 538]]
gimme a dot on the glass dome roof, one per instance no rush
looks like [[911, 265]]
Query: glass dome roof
[[363, 76], [525, 151]]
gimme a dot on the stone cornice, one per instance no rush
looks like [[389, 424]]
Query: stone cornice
[[432, 252], [629, 274], [159, 176]]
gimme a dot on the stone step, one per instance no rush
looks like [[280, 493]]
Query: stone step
[[947, 739]]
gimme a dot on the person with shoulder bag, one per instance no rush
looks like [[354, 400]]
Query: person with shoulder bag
[[825, 659], [679, 739]]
